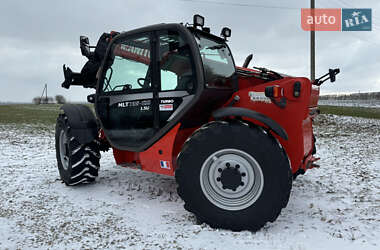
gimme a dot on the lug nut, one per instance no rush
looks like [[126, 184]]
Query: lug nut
[[243, 174], [234, 189], [241, 183], [228, 164], [218, 179], [224, 187], [237, 166], [220, 170]]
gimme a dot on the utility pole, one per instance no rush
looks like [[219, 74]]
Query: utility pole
[[312, 43], [42, 95]]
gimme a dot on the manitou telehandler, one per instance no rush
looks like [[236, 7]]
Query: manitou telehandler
[[170, 100]]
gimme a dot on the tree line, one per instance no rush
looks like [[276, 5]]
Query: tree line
[[45, 100], [353, 96]]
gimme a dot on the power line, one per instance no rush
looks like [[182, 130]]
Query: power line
[[348, 6], [243, 4], [340, 2], [363, 39]]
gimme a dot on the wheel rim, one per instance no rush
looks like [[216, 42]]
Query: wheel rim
[[231, 179], [63, 149]]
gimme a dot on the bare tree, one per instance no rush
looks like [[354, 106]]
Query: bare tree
[[60, 99], [36, 100]]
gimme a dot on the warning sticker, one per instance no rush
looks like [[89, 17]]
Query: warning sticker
[[258, 97], [166, 107]]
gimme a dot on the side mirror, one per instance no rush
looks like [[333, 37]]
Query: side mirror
[[91, 98], [333, 73], [85, 46], [247, 60]]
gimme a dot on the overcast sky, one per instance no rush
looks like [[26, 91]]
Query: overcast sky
[[37, 37]]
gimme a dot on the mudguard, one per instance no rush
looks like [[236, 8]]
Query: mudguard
[[82, 122], [243, 112]]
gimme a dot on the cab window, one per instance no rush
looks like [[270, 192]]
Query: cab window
[[130, 68], [177, 72], [218, 64]]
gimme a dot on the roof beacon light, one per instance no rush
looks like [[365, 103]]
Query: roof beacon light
[[199, 20], [226, 32]]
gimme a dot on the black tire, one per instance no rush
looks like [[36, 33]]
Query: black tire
[[252, 141], [82, 164], [314, 146]]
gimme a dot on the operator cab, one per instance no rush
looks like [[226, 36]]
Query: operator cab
[[155, 77]]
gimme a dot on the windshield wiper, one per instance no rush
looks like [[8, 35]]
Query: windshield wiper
[[220, 46], [265, 72]]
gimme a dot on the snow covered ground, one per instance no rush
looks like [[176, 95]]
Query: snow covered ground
[[334, 207]]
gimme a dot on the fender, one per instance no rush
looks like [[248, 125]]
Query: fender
[[243, 112], [82, 122]]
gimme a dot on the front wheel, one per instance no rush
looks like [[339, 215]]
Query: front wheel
[[77, 163], [233, 176]]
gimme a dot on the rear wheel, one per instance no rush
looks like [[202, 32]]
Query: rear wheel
[[77, 163], [233, 176]]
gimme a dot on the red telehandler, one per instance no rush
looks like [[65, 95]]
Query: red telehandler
[[170, 100]]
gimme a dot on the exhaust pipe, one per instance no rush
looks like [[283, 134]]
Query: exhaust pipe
[[247, 61]]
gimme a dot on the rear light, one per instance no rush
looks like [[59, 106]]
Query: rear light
[[274, 91], [297, 89]]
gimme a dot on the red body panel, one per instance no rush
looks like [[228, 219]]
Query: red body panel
[[294, 118], [150, 160], [314, 96]]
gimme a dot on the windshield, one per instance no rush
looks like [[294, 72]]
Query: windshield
[[217, 62]]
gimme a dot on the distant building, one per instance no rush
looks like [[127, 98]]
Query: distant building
[[43, 100], [48, 100]]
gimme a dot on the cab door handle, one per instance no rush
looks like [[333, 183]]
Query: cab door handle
[[103, 107]]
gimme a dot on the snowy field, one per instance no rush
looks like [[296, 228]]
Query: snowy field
[[336, 206]]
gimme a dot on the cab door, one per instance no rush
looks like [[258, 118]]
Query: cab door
[[127, 101], [176, 74], [148, 82]]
